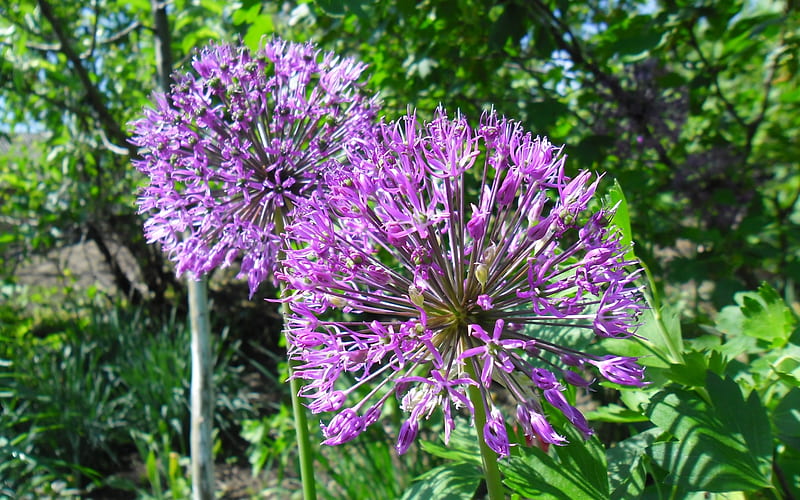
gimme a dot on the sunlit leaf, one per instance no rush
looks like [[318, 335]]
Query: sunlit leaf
[[762, 315], [578, 468], [622, 218], [448, 482], [721, 445], [626, 468]]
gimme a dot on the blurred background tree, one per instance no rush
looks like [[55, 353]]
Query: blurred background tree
[[691, 107]]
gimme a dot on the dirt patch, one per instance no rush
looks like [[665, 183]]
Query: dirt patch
[[78, 268]]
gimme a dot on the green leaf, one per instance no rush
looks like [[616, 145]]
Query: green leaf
[[762, 315], [260, 27], [787, 364], [721, 445], [578, 470], [748, 418], [622, 218], [692, 371], [615, 413], [198, 38], [626, 470], [789, 463], [151, 465], [457, 481], [786, 418], [573, 336], [636, 37], [246, 15], [463, 446]]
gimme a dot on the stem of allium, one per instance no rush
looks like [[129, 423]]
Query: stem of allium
[[304, 452], [488, 456], [673, 342]]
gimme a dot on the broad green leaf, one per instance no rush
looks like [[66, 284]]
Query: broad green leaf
[[636, 400], [448, 482], [615, 413], [786, 418], [692, 371], [721, 445], [463, 446], [748, 418], [246, 15], [576, 471], [789, 463], [626, 471], [575, 337], [749, 27]]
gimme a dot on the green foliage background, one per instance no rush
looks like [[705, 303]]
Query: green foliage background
[[693, 108]]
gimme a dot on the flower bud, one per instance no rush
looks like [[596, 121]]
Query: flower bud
[[481, 273], [415, 295]]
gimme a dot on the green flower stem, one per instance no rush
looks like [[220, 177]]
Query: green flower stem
[[488, 456], [674, 346], [305, 453]]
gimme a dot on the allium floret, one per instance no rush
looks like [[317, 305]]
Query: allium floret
[[440, 262], [237, 142]]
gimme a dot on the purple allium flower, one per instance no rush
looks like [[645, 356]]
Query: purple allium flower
[[237, 142], [417, 284]]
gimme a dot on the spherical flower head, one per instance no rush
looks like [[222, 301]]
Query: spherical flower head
[[237, 142], [445, 284]]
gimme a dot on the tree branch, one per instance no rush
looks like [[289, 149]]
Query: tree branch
[[163, 44], [95, 98], [94, 28], [120, 278]]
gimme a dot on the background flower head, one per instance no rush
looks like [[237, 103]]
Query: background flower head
[[446, 285], [237, 142]]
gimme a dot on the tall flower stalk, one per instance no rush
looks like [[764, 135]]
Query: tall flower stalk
[[234, 146], [432, 266]]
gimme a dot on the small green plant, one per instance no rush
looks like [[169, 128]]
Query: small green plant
[[271, 442], [162, 466]]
